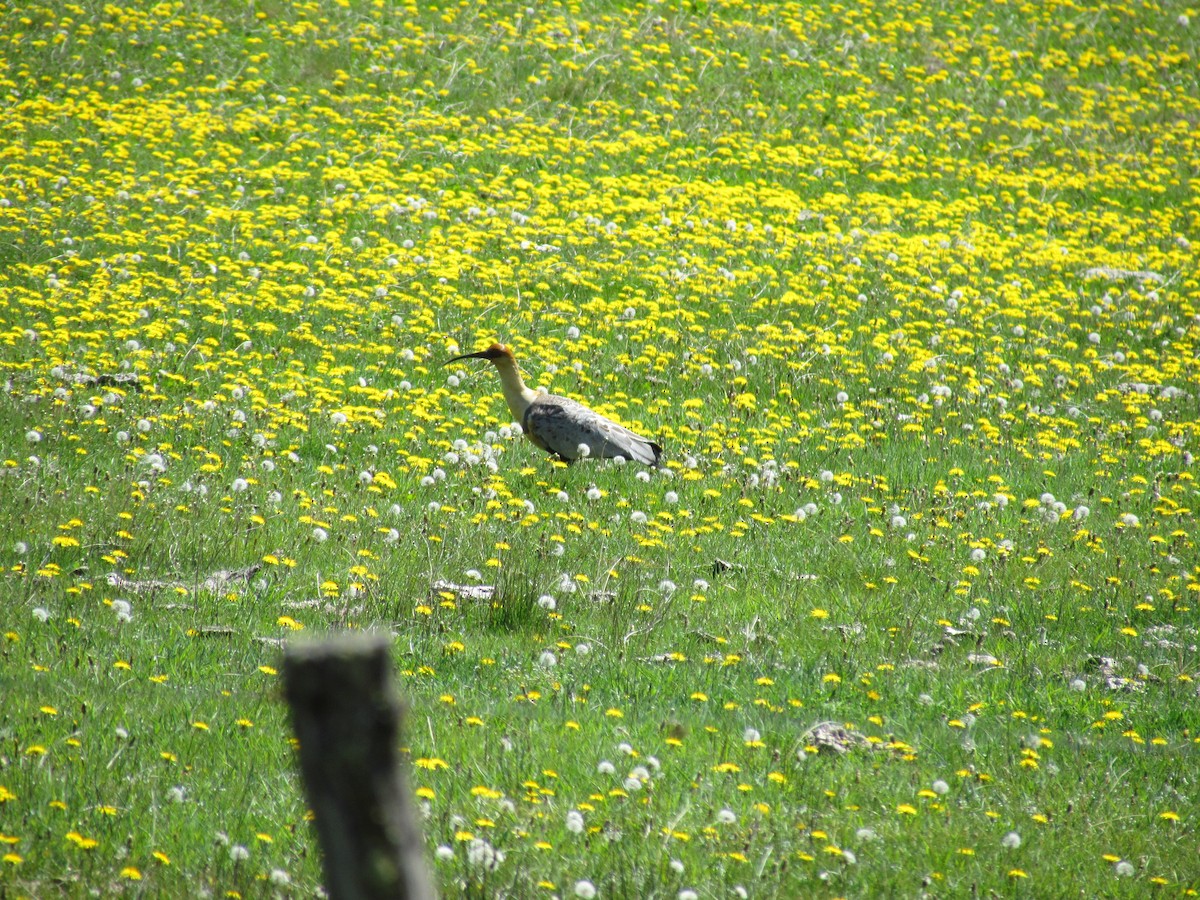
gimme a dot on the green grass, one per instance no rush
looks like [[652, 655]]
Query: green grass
[[870, 275]]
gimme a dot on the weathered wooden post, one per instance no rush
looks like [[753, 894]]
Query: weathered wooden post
[[347, 718]]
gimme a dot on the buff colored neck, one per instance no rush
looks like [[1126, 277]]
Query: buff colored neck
[[516, 395]]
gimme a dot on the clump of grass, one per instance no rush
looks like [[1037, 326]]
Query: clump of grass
[[514, 605]]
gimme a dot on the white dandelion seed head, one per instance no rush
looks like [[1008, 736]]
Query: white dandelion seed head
[[279, 878], [670, 498], [866, 835], [33, 436], [643, 476], [940, 787], [687, 894], [338, 418], [593, 493], [583, 649], [727, 817], [1078, 685], [751, 736], [978, 554], [482, 855], [575, 822], [1011, 841], [547, 602], [41, 614], [562, 497], [583, 451], [238, 852], [1123, 869], [320, 535], [239, 485], [605, 767], [584, 889], [547, 660], [123, 609]]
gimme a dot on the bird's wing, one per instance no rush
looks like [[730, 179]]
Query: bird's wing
[[559, 425]]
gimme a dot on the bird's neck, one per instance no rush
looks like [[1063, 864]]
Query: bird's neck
[[516, 395]]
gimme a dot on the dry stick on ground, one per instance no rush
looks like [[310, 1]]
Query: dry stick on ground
[[347, 718]]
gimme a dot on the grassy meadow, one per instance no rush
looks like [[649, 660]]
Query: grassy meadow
[[908, 291]]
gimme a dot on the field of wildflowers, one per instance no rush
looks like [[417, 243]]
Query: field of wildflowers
[[908, 291]]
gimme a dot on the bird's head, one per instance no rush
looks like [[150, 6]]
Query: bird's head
[[492, 354]]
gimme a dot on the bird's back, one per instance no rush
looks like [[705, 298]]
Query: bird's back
[[559, 425]]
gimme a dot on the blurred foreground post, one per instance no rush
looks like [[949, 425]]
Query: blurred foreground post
[[347, 718]]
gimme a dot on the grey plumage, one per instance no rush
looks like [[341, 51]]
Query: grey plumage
[[560, 426]]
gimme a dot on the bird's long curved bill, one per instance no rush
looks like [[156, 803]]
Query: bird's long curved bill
[[480, 355]]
